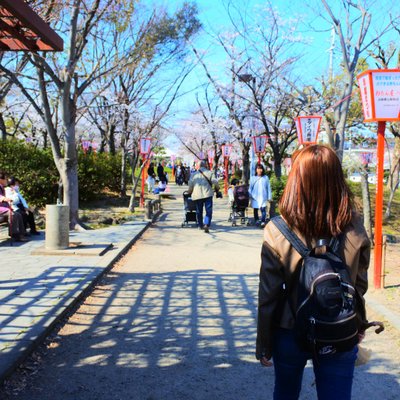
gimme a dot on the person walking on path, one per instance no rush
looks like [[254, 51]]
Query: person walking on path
[[160, 171], [260, 194], [151, 178], [201, 186], [315, 204]]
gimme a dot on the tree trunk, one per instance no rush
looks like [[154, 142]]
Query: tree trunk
[[70, 175], [135, 183], [111, 139], [340, 119], [123, 172], [45, 139], [124, 155], [277, 162], [3, 128], [366, 203], [246, 163]]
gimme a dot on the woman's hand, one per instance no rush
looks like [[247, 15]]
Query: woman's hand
[[265, 362]]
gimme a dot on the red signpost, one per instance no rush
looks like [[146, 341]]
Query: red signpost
[[259, 145], [144, 151], [226, 152], [211, 154], [380, 96]]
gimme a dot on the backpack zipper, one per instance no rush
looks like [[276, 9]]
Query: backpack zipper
[[321, 277], [335, 322], [338, 340]]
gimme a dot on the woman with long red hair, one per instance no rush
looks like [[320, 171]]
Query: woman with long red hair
[[315, 204]]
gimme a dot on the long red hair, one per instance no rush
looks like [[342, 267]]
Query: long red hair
[[316, 201]]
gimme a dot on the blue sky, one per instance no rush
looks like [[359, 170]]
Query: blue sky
[[314, 28]]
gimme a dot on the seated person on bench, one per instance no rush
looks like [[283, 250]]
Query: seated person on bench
[[17, 222], [20, 205]]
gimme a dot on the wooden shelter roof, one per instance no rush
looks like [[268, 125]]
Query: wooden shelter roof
[[21, 29]]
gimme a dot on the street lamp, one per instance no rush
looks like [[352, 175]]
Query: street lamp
[[226, 152], [308, 128], [259, 144], [144, 147]]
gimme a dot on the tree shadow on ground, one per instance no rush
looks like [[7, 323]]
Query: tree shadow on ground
[[177, 335]]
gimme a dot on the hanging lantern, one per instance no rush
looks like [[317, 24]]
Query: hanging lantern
[[145, 146], [259, 143], [308, 128], [226, 150]]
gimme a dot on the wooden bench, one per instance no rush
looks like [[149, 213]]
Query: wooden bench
[[4, 227]]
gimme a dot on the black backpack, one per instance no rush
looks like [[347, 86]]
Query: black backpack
[[325, 315]]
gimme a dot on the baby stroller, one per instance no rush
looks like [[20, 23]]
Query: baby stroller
[[179, 179], [239, 205], [189, 210]]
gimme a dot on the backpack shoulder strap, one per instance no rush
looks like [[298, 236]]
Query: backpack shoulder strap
[[291, 236], [208, 180]]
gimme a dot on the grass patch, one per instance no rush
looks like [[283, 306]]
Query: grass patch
[[392, 225]]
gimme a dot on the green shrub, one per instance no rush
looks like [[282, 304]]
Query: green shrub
[[97, 172], [39, 176], [35, 169], [277, 187]]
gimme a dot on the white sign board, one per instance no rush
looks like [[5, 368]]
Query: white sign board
[[380, 94], [387, 95]]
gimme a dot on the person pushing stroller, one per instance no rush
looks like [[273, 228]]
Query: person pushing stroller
[[201, 186]]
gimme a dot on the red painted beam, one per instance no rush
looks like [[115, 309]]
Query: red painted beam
[[47, 38]]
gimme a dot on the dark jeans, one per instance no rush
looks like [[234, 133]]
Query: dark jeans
[[208, 204], [28, 219], [333, 372], [263, 214]]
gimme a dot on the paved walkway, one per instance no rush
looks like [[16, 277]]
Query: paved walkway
[[35, 290], [158, 328]]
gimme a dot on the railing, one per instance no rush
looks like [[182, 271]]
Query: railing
[[152, 207]]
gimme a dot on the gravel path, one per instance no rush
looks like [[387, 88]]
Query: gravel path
[[175, 320]]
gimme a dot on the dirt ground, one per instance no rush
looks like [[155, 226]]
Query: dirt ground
[[389, 296]]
